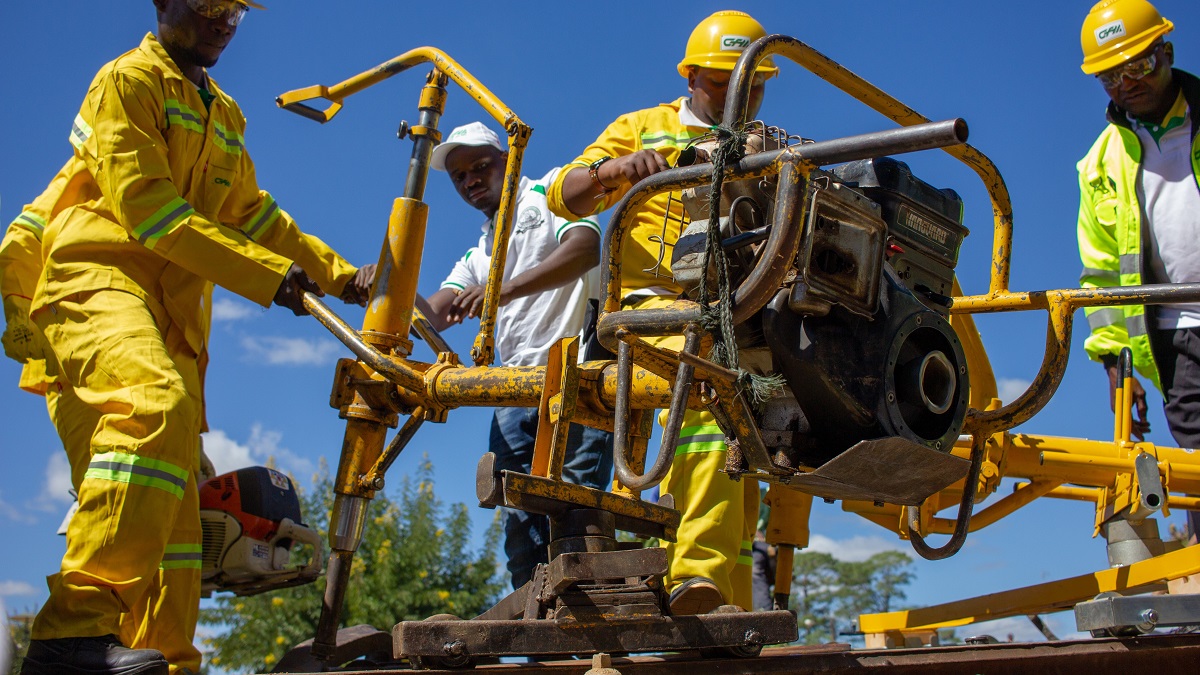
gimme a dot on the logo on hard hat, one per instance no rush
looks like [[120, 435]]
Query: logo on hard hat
[[734, 43], [1110, 31]]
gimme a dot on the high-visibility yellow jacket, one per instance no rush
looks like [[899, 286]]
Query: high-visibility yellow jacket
[[646, 263], [163, 201], [21, 264], [1112, 232]]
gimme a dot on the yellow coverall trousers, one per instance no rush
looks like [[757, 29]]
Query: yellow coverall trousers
[[719, 515], [128, 410]]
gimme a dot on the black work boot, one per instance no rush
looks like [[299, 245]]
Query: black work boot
[[91, 656]]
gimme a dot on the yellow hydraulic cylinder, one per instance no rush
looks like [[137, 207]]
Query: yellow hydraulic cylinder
[[390, 312]]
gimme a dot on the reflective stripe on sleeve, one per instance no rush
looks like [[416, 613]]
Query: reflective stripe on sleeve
[[1102, 318], [122, 467], [179, 114], [1135, 325], [1131, 263], [1096, 273], [80, 132], [181, 556], [163, 222], [260, 223], [700, 438], [32, 221]]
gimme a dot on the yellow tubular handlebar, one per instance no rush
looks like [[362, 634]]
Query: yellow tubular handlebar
[[295, 100]]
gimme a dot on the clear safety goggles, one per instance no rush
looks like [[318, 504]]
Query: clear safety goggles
[[1134, 70], [231, 10]]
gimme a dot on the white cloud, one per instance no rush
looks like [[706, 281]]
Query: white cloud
[[854, 549], [262, 447], [9, 588], [228, 309], [1011, 387], [56, 489], [284, 351]]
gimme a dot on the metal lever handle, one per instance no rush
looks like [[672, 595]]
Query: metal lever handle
[[683, 385]]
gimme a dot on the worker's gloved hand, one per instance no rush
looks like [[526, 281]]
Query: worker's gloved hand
[[1139, 426], [291, 291], [358, 289], [22, 340]]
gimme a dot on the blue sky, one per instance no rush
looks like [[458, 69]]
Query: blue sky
[[1011, 70]]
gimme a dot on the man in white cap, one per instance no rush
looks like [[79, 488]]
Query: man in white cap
[[550, 275]]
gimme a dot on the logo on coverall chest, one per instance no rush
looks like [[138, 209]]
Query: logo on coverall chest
[[222, 181]]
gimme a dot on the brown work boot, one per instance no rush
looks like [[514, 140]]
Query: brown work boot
[[91, 656], [697, 595]]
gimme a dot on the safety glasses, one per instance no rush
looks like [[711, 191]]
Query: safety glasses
[[232, 10], [1134, 70]]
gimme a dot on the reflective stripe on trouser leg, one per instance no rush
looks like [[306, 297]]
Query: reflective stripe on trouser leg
[[165, 617], [142, 456], [714, 523]]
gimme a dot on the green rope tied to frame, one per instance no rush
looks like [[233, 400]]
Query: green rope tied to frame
[[717, 318]]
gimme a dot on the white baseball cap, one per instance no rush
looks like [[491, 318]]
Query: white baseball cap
[[474, 133]]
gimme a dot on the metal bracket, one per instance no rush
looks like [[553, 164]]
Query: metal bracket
[[1120, 615]]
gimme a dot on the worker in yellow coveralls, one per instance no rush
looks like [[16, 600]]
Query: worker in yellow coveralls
[[711, 561], [160, 203]]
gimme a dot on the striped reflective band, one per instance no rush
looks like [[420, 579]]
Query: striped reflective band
[[227, 139], [163, 222], [125, 468], [32, 221], [1102, 318], [1135, 325], [181, 556], [80, 132], [746, 555], [700, 438], [259, 224], [180, 115], [666, 140], [1095, 273], [1131, 263]]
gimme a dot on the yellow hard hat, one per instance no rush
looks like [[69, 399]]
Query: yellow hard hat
[[719, 40], [1116, 31]]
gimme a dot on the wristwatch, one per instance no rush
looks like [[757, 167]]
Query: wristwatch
[[594, 172]]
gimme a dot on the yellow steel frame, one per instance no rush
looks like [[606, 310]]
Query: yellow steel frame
[[384, 382]]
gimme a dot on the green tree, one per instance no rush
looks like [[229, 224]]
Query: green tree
[[415, 561], [815, 584], [19, 628], [828, 594]]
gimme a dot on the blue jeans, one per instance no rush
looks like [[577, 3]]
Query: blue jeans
[[589, 462]]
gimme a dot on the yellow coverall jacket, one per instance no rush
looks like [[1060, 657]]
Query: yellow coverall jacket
[[161, 204], [719, 515]]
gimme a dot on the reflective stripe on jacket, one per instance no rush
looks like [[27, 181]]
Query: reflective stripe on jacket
[[658, 129], [163, 201], [1111, 232]]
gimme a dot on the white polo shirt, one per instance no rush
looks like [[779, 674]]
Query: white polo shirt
[[1170, 200], [527, 327]]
